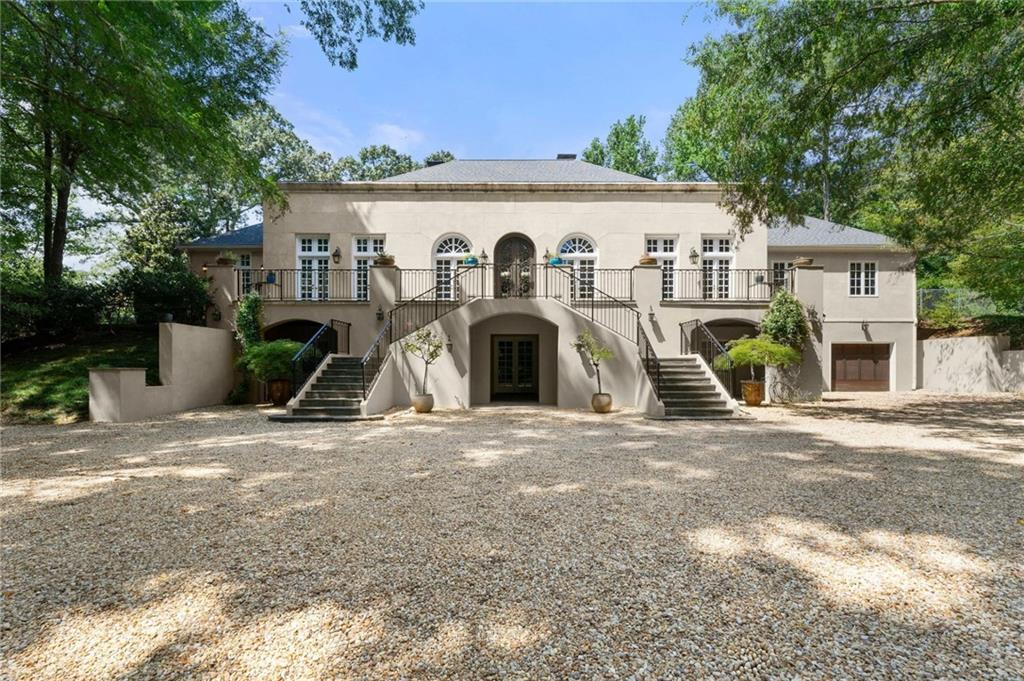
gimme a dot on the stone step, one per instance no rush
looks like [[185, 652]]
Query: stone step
[[317, 394], [679, 361], [326, 411], [695, 404], [338, 384], [329, 402], [689, 388], [290, 418], [342, 372], [699, 412], [682, 373]]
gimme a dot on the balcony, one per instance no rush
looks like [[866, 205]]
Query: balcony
[[722, 285], [304, 285], [515, 280]]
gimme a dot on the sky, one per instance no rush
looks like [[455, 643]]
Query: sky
[[494, 80]]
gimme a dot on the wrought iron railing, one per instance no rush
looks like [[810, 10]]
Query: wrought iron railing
[[374, 358], [415, 282], [724, 285], [513, 280], [697, 339], [311, 285], [320, 345], [430, 305], [578, 293], [649, 358]]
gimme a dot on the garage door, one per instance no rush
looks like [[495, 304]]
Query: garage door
[[860, 366]]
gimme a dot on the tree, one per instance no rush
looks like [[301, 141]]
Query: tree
[[625, 149], [758, 352], [439, 156], [425, 345], [340, 25], [903, 116], [594, 352], [374, 162]]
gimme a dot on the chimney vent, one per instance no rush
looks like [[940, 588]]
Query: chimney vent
[[566, 157]]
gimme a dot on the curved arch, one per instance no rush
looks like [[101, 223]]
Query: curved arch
[[452, 245], [577, 245], [580, 252], [300, 330]]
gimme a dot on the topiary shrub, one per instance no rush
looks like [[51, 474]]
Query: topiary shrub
[[758, 352], [270, 361], [785, 321]]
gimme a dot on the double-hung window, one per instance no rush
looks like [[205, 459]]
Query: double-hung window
[[245, 273], [716, 265], [863, 279], [664, 250], [364, 248], [312, 254], [780, 274]]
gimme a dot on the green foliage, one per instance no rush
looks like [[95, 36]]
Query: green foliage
[[31, 306], [439, 156], [785, 321], [903, 117], [249, 320], [51, 384], [594, 351], [271, 360], [625, 149], [175, 291], [945, 315], [994, 264], [375, 162], [428, 347], [340, 25], [758, 352]]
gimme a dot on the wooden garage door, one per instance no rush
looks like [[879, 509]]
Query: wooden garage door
[[860, 366]]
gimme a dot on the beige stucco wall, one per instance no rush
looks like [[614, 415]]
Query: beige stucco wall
[[196, 370], [900, 336], [978, 364], [413, 222], [519, 325]]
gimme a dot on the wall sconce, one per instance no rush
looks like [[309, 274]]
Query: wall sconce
[[380, 313], [336, 256], [864, 327], [483, 255], [694, 255], [204, 268], [650, 314], [449, 344]]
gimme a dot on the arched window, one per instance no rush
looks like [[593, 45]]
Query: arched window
[[448, 253], [581, 254]]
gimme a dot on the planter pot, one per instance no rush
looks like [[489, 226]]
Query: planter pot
[[226, 261], [648, 260], [554, 261], [423, 404], [271, 277], [753, 392], [470, 262], [280, 390], [601, 402], [802, 262], [384, 262]]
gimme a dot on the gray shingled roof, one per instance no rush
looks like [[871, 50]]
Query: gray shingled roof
[[817, 232], [472, 171], [246, 236]]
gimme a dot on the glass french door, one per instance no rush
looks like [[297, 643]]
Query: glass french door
[[313, 279], [717, 278], [514, 368]]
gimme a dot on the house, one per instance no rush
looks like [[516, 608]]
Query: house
[[473, 243]]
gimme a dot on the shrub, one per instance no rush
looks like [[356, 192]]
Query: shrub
[[945, 315], [756, 352], [269, 361], [175, 291], [595, 353], [249, 320], [785, 321], [31, 307]]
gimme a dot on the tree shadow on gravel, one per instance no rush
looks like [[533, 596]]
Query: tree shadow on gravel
[[531, 544]]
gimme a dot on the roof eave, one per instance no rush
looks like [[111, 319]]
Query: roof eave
[[839, 247], [392, 187]]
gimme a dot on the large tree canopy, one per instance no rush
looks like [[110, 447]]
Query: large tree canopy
[[626, 149], [905, 115]]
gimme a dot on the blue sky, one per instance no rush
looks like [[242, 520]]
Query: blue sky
[[494, 80]]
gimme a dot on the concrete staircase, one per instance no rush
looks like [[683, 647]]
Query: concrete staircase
[[688, 392], [335, 394]]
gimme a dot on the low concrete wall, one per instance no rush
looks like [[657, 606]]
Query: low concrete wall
[[196, 370], [978, 364]]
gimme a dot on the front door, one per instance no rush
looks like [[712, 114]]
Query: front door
[[514, 268], [514, 368]]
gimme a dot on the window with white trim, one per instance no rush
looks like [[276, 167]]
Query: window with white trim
[[312, 255], [580, 253], [663, 249], [364, 248], [244, 266], [780, 274], [448, 255], [716, 265], [863, 279]]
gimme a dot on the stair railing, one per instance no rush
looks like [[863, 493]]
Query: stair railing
[[581, 295], [696, 338], [374, 358], [320, 345], [649, 358], [434, 303]]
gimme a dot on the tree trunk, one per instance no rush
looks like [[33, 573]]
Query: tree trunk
[[53, 248], [597, 370], [826, 189], [426, 368], [47, 199]]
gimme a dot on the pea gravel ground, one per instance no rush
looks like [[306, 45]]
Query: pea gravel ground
[[862, 537]]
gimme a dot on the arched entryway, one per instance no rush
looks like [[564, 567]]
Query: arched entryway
[[300, 330], [514, 271], [725, 330], [513, 358]]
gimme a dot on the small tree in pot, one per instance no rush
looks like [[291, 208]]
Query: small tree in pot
[[755, 352], [425, 345], [595, 353], [272, 362]]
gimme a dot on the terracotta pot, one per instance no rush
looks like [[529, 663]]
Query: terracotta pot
[[753, 392], [648, 260], [384, 262], [802, 262], [423, 404], [601, 402], [280, 391]]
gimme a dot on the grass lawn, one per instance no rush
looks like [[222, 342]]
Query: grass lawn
[[51, 384]]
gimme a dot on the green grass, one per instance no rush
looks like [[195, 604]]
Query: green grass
[[51, 384]]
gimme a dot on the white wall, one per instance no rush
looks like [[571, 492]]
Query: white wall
[[196, 370], [977, 364]]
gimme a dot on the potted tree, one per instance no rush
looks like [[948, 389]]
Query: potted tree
[[425, 345], [754, 352], [648, 259], [226, 258], [272, 362], [595, 353], [384, 259]]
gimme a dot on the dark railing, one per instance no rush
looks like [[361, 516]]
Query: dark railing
[[331, 337], [415, 282], [576, 291], [722, 285], [514, 280], [302, 285], [649, 358], [430, 305], [374, 358], [697, 339]]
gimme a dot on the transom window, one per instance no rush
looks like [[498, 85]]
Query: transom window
[[576, 246], [579, 252], [313, 244], [448, 255], [863, 279], [371, 245], [716, 245], [664, 250]]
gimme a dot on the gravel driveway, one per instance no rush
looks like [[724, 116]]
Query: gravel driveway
[[877, 536]]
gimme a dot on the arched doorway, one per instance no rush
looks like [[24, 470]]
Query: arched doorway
[[300, 330], [514, 258], [725, 330]]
